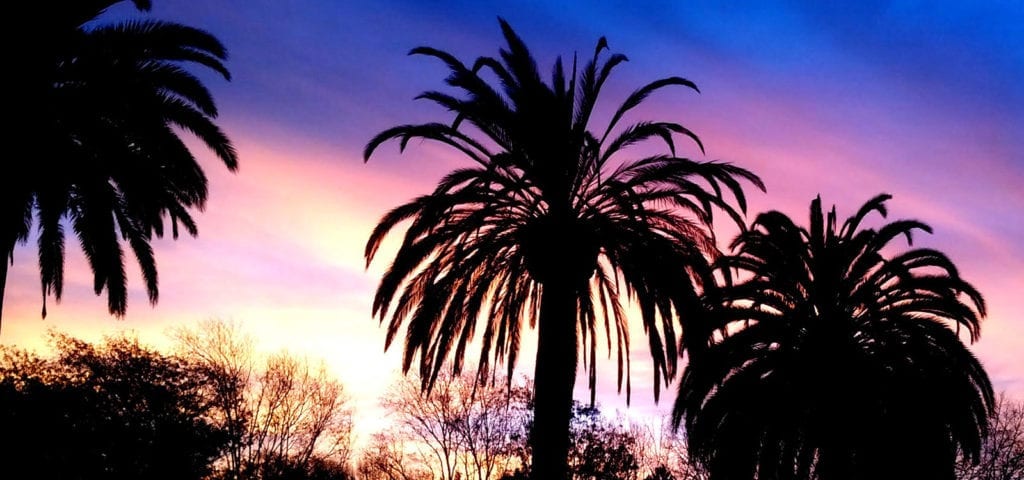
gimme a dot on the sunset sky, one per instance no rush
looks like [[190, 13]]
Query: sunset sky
[[918, 99]]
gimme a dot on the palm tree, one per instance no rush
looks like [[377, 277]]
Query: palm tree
[[835, 356], [547, 226], [106, 104]]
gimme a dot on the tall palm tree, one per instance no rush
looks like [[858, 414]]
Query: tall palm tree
[[104, 111], [548, 225], [835, 356]]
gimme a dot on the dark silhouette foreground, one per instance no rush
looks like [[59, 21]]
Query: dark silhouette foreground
[[832, 356], [120, 410], [114, 411], [100, 111], [550, 224]]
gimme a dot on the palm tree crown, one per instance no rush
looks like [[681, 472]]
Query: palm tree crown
[[548, 225], [832, 358], [107, 103]]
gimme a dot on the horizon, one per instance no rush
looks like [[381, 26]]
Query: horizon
[[846, 102]]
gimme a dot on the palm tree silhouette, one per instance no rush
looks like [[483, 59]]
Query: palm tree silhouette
[[835, 356], [106, 107], [548, 226]]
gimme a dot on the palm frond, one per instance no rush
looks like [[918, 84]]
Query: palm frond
[[826, 353]]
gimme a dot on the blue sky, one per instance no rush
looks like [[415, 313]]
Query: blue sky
[[923, 100]]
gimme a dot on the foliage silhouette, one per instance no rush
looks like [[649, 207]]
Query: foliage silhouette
[[548, 226], [111, 411], [662, 452], [661, 473], [833, 358], [601, 449], [121, 410], [102, 112], [287, 416], [1002, 452], [461, 430]]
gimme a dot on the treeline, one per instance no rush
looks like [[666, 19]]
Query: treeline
[[464, 430], [212, 409]]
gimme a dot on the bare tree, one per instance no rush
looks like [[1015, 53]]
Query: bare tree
[[493, 425], [292, 417], [430, 420], [296, 412], [460, 429], [662, 452], [388, 457], [1002, 453], [222, 347]]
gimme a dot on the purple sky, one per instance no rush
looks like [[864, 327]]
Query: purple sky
[[917, 99]]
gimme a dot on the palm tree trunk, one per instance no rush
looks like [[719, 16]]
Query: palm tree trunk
[[14, 223], [5, 261], [554, 377], [3, 284]]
